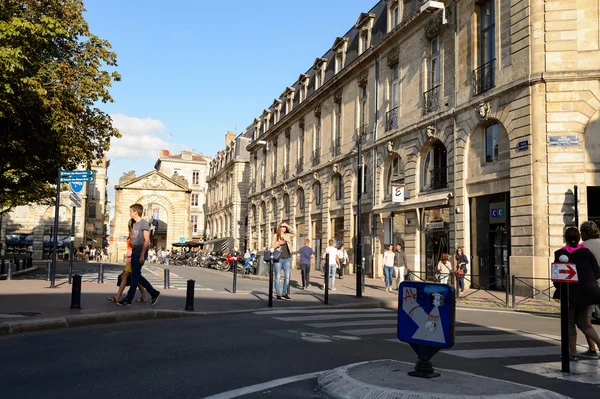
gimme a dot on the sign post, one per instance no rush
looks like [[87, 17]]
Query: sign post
[[564, 273], [426, 318]]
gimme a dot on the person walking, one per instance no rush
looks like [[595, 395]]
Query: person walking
[[388, 267], [140, 241], [343, 255], [400, 267], [460, 262], [306, 253], [66, 253], [583, 294], [590, 235], [282, 241], [444, 268], [334, 261]]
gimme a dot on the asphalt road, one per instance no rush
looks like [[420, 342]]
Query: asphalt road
[[199, 357]]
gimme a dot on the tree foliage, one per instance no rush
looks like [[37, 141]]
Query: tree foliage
[[53, 73]]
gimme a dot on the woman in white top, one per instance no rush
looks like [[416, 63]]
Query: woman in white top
[[334, 261], [444, 268], [388, 267], [343, 255]]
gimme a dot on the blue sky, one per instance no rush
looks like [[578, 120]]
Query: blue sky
[[192, 70]]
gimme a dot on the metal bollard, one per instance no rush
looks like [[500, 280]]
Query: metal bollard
[[326, 301], [167, 275], [235, 277], [189, 296], [2, 267], [17, 265], [29, 262], [76, 292], [49, 267], [270, 284], [9, 272], [101, 274]]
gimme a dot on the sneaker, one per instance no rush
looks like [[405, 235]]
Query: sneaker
[[588, 354], [278, 298], [573, 358], [155, 299], [124, 302], [286, 297]]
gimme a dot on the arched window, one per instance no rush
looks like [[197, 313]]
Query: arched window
[[435, 173], [394, 174], [286, 204], [317, 193], [300, 199]]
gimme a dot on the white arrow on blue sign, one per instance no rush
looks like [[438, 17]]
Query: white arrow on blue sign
[[76, 187], [76, 173], [76, 179], [182, 239]]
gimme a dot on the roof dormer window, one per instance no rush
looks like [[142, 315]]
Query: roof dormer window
[[339, 47], [289, 95], [319, 68], [257, 126], [266, 116], [303, 82], [277, 107], [394, 14], [364, 25]]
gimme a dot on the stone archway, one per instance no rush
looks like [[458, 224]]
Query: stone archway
[[169, 230]]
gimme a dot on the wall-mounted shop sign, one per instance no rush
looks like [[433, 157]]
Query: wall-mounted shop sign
[[523, 145], [563, 141], [436, 225], [497, 212]]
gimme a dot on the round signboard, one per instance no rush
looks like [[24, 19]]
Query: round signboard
[[76, 187]]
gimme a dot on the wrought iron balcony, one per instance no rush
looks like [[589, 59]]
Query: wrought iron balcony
[[300, 165], [438, 180], [336, 148], [316, 160], [483, 77], [431, 100], [391, 119], [286, 172], [361, 134]]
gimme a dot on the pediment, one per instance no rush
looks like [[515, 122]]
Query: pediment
[[363, 19], [339, 42], [156, 181], [318, 62]]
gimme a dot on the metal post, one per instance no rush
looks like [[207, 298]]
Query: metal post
[[76, 292], [564, 327], [2, 267], [9, 272], [326, 301], [189, 296], [576, 207], [512, 290], [167, 278], [49, 269], [71, 244], [507, 287], [271, 282], [55, 241], [362, 286], [101, 274], [17, 262], [235, 267], [358, 243]]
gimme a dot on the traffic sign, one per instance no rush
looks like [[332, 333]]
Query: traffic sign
[[76, 187], [73, 173], [564, 273], [182, 239], [77, 179]]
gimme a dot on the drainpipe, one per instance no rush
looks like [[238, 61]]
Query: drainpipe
[[374, 158]]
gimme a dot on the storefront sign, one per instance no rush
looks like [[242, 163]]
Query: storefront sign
[[563, 141], [523, 145], [436, 225], [398, 193], [498, 212]]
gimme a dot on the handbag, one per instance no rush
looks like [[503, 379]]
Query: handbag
[[276, 256], [128, 280]]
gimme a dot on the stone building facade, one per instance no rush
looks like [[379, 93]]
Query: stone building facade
[[33, 224], [227, 202], [486, 113]]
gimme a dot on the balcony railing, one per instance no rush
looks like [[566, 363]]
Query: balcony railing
[[300, 165], [391, 119], [336, 148], [361, 134], [286, 172], [438, 180], [316, 160], [431, 100], [483, 77]]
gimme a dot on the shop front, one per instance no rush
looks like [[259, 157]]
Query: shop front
[[435, 238]]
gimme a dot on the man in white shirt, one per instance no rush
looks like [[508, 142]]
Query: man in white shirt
[[334, 261]]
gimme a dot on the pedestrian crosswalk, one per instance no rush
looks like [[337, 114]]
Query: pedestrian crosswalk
[[471, 341]]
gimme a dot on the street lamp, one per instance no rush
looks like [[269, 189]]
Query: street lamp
[[360, 187]]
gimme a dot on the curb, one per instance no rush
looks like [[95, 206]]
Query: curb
[[80, 320], [20, 272]]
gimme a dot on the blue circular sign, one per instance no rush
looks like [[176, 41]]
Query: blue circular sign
[[76, 187]]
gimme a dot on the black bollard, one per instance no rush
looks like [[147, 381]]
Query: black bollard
[[9, 272], [167, 278], [189, 296], [2, 267], [29, 262], [76, 292], [101, 274], [49, 270], [17, 265], [326, 302], [235, 277], [270, 284], [564, 328]]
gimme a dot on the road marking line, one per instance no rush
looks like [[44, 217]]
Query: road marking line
[[504, 352], [317, 311], [503, 338], [371, 331], [354, 323], [476, 329], [235, 393], [583, 371], [333, 317]]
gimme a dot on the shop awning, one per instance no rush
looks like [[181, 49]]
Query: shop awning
[[433, 200]]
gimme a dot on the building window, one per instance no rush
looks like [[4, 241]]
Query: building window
[[195, 177], [91, 211], [483, 76], [363, 117], [274, 160], [435, 173], [394, 16], [301, 143], [317, 193], [301, 199], [317, 138], [286, 204], [194, 221], [394, 175], [339, 61], [491, 143], [286, 151], [338, 121], [395, 86], [264, 212], [254, 215], [22, 212], [364, 41], [339, 187], [194, 199], [434, 74]]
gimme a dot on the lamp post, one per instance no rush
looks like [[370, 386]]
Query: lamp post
[[359, 185]]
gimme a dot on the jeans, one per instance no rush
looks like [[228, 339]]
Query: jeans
[[388, 272], [305, 275], [332, 270], [341, 270], [286, 265], [461, 282], [136, 276]]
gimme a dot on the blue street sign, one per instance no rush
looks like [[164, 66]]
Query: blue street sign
[[76, 187], [77, 179], [76, 173], [426, 314], [182, 239]]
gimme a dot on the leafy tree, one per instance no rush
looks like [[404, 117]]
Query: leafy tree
[[53, 73]]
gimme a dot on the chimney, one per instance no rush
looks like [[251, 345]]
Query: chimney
[[164, 153], [229, 137]]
